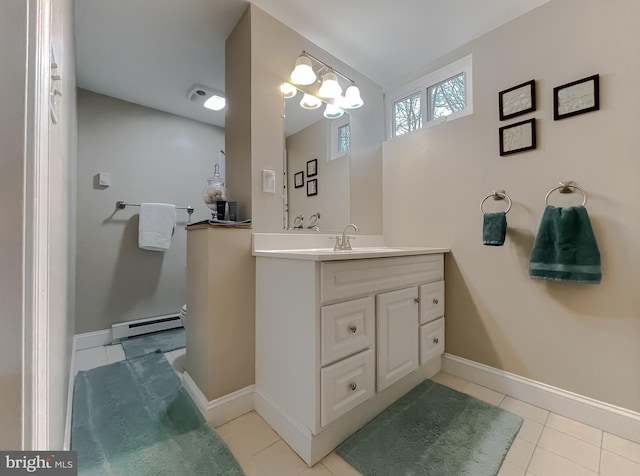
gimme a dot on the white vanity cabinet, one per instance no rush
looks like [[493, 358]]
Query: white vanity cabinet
[[338, 341]]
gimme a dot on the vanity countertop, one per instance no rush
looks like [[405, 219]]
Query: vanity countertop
[[327, 254]]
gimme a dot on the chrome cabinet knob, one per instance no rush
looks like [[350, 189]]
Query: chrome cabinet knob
[[416, 300], [435, 300], [353, 386], [353, 329], [435, 340]]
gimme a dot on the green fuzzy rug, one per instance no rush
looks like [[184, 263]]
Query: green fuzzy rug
[[433, 431], [134, 417]]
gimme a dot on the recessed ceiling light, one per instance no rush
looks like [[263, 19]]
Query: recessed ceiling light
[[215, 103]]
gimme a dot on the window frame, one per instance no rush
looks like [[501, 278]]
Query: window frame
[[334, 137], [421, 85]]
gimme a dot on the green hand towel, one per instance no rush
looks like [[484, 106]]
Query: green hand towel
[[565, 248], [494, 228]]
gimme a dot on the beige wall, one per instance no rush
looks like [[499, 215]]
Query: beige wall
[[273, 49], [152, 157], [582, 338], [332, 200], [13, 27], [221, 323]]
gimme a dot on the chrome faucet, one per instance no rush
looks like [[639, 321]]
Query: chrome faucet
[[343, 243]]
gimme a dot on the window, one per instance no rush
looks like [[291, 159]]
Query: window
[[344, 139], [407, 115], [339, 137], [445, 94]]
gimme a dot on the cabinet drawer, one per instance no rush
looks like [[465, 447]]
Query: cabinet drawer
[[347, 328], [431, 301], [353, 278], [346, 384], [431, 340]]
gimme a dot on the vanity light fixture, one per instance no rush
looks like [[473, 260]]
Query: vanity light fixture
[[288, 90], [330, 88], [352, 99], [332, 112], [309, 101], [207, 97], [303, 71]]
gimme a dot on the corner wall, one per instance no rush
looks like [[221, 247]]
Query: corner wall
[[62, 203], [152, 156], [582, 338]]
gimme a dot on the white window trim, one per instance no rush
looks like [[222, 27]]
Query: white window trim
[[463, 65]]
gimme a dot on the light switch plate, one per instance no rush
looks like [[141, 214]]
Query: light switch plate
[[104, 179], [268, 181]]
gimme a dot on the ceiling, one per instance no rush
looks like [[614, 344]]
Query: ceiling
[[151, 52]]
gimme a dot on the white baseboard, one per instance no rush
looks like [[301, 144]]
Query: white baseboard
[[92, 339], [224, 409], [610, 418]]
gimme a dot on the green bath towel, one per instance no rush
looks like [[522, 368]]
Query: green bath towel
[[565, 248], [494, 228]]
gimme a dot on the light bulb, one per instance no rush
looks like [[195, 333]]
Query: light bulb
[[352, 99], [215, 102], [309, 101], [288, 90], [332, 111], [330, 87], [303, 72]]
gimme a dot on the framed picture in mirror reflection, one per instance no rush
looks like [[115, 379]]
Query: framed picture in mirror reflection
[[312, 168], [298, 179], [312, 187]]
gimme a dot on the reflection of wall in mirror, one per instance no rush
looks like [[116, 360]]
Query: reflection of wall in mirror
[[333, 198]]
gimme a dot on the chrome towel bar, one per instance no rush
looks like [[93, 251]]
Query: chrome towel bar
[[120, 205]]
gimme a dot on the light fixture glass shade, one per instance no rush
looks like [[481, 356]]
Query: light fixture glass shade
[[352, 99], [288, 90], [309, 101], [303, 72], [215, 103], [330, 87], [332, 111]]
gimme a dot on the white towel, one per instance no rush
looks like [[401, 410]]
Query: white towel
[[157, 221]]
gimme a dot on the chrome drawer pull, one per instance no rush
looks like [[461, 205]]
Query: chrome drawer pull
[[416, 300], [353, 329], [435, 340], [353, 386], [435, 300]]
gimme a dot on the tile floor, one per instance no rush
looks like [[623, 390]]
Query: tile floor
[[547, 444]]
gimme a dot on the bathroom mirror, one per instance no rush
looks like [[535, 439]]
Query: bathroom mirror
[[317, 168]]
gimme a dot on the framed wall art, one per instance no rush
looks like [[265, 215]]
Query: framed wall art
[[312, 187], [517, 100], [312, 168], [518, 137], [298, 179], [577, 97]]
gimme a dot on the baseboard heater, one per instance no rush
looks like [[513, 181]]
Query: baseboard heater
[[123, 330]]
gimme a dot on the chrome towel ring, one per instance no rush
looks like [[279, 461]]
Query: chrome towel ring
[[497, 195], [566, 187]]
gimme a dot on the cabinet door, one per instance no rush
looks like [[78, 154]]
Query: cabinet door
[[347, 328], [345, 385], [431, 301], [397, 335], [431, 340]]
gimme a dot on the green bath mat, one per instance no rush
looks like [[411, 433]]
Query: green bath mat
[[135, 418], [433, 431], [164, 341]]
